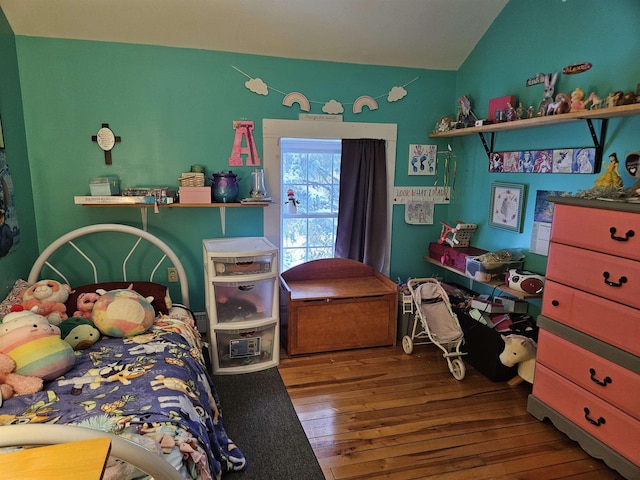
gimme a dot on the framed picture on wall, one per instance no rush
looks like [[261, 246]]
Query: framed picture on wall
[[507, 205]]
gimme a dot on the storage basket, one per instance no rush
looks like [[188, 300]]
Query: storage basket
[[192, 179]]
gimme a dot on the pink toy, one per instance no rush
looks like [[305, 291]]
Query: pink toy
[[13, 383], [35, 345], [86, 302], [49, 297]]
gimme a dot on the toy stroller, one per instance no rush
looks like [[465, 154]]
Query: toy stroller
[[439, 324]]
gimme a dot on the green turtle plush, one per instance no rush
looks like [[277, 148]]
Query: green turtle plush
[[79, 332]]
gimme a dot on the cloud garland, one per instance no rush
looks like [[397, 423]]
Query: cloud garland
[[331, 107]]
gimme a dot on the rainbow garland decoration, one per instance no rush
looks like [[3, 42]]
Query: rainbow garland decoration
[[332, 107]]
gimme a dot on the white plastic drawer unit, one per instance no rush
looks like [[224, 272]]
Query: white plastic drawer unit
[[229, 257], [245, 349], [247, 300]]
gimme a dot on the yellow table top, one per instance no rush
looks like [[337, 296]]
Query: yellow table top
[[83, 460]]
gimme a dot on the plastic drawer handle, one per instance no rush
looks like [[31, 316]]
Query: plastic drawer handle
[[627, 236], [622, 280], [555, 303], [597, 423], [602, 383]]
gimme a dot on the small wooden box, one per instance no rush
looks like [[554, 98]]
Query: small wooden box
[[195, 194], [500, 103]]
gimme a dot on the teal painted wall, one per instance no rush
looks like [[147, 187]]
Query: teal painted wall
[[16, 264], [174, 107], [543, 37]]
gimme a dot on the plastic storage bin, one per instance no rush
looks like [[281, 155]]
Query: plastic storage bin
[[248, 300], [245, 349], [484, 271], [239, 256]]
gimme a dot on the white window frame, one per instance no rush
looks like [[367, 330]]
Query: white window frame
[[273, 130]]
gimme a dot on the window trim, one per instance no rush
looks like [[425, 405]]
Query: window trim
[[273, 130]]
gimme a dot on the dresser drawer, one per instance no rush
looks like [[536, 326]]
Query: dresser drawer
[[592, 414], [609, 381], [608, 321], [615, 278], [596, 229]]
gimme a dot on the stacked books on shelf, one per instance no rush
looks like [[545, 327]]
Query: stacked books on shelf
[[131, 196], [251, 200]]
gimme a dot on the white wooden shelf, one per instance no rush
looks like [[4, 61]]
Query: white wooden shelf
[[144, 208], [497, 284]]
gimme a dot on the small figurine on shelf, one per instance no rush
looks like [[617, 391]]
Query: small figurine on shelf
[[511, 113], [610, 178], [520, 111], [292, 201], [466, 117], [578, 101], [547, 96]]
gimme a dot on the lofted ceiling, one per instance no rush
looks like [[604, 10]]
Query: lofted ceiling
[[430, 34]]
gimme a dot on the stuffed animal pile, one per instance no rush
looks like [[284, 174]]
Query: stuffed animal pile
[[37, 340], [48, 297]]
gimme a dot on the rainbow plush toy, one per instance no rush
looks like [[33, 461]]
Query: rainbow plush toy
[[35, 345], [122, 313]]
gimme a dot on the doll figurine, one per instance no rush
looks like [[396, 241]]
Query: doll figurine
[[610, 178]]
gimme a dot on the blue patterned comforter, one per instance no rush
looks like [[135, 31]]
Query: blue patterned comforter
[[152, 388]]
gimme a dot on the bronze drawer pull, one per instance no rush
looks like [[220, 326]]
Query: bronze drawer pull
[[627, 236], [620, 282], [602, 383], [597, 423]]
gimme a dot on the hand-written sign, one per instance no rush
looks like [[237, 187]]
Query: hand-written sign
[[403, 195]]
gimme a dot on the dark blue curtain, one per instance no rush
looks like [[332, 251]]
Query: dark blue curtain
[[362, 217]]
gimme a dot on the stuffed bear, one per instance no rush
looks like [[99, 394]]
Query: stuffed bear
[[79, 332], [13, 383], [35, 345], [85, 304], [50, 297]]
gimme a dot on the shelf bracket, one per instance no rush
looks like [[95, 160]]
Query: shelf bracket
[[598, 143], [487, 148]]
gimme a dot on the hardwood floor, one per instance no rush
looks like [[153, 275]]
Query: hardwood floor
[[381, 414]]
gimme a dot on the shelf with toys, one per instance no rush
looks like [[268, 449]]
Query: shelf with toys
[[588, 116], [497, 283]]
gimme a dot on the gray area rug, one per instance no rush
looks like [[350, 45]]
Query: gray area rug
[[259, 417]]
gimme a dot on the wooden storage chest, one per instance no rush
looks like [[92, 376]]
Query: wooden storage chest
[[336, 304]]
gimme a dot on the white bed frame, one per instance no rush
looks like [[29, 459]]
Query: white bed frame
[[68, 239], [126, 450], [130, 452]]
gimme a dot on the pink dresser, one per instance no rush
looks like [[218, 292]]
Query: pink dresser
[[587, 378]]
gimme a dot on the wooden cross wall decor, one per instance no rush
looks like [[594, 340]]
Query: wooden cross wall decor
[[106, 141]]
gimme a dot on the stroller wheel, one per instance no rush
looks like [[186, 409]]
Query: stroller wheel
[[407, 344], [457, 368]]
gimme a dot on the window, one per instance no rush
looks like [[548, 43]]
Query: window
[[274, 130], [311, 168]]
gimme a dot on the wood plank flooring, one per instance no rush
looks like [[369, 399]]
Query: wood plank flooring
[[381, 414]]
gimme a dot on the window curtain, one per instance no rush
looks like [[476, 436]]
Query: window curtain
[[362, 216]]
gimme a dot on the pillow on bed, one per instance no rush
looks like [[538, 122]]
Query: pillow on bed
[[161, 299], [14, 297]]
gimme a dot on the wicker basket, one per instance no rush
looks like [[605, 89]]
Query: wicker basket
[[191, 179]]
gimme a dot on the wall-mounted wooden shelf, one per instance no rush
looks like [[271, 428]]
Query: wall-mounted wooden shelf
[[602, 114], [598, 114], [144, 208], [497, 284]]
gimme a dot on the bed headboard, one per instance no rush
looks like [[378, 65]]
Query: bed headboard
[[138, 235]]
